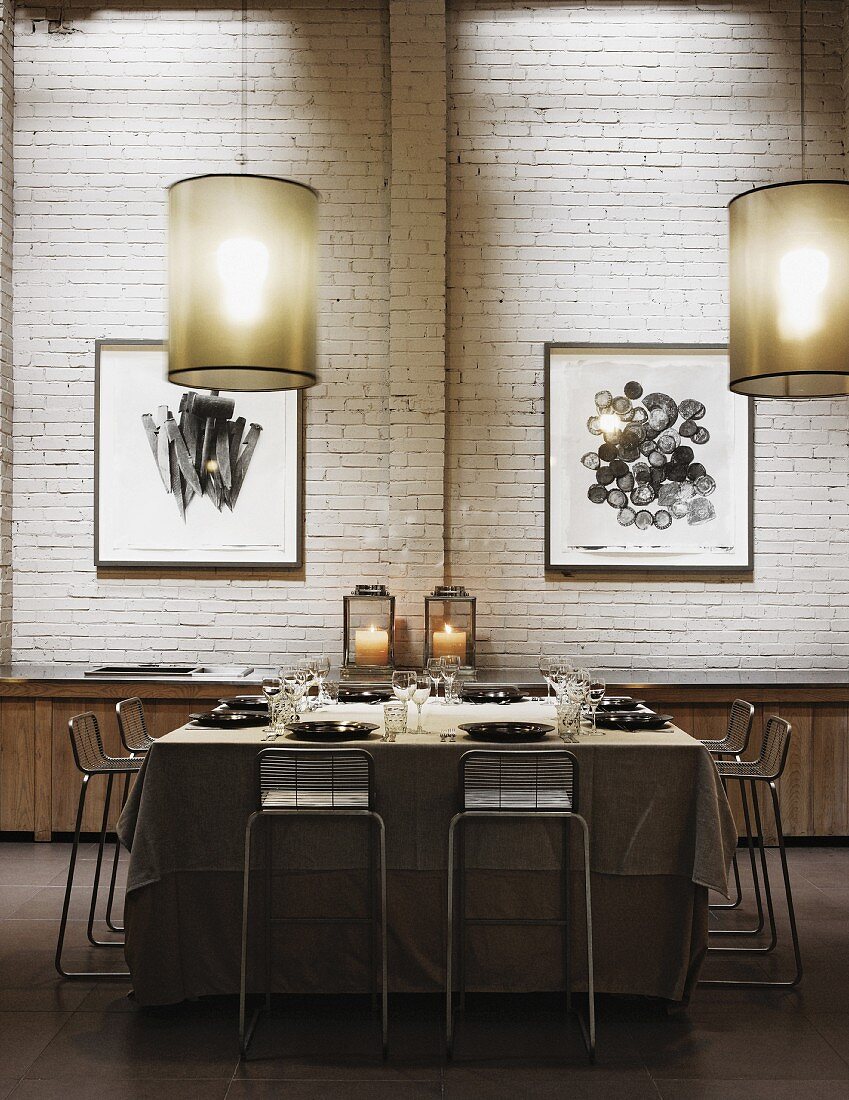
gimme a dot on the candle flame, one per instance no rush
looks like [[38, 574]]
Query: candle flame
[[448, 628]]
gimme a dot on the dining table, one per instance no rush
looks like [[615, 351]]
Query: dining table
[[661, 837]]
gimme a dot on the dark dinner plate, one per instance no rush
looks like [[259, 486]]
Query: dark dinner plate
[[246, 702], [619, 702], [476, 693], [506, 732], [228, 719], [328, 732], [638, 720], [365, 694]]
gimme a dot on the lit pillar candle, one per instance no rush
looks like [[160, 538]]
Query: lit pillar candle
[[371, 647], [450, 643]]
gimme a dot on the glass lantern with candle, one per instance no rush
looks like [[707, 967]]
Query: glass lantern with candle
[[450, 626], [368, 633]]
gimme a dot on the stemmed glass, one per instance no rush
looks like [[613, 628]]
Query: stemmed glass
[[544, 666], [595, 694], [295, 681], [577, 688], [403, 685], [421, 695], [450, 669], [559, 672], [321, 667], [434, 671], [308, 667], [271, 689]]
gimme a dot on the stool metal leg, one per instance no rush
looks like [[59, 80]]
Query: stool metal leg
[[756, 931], [791, 913], [461, 919], [567, 916], [246, 1033], [454, 841], [98, 867], [116, 858], [738, 891], [384, 937], [764, 949], [449, 955], [108, 975], [589, 1032]]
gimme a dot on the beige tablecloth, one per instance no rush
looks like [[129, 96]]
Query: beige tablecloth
[[661, 833]]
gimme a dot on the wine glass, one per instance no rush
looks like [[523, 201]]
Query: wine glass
[[321, 667], [403, 685], [560, 669], [595, 694], [308, 667], [450, 669], [434, 671], [544, 666], [421, 694], [271, 689], [295, 682], [579, 684]]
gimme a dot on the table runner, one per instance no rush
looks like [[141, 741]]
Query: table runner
[[659, 821]]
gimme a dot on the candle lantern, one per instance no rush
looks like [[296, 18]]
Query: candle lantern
[[368, 632], [450, 625]]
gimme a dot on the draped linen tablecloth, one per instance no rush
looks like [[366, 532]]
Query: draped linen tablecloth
[[661, 834]]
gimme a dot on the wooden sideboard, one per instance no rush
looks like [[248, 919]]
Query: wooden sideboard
[[39, 784]]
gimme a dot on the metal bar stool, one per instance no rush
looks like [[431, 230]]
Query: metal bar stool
[[537, 785], [91, 760], [768, 767], [734, 744], [336, 783]]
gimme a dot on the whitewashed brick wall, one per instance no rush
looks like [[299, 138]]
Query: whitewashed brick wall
[[591, 149], [107, 116], [7, 26]]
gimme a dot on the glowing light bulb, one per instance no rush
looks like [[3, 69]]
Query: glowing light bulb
[[243, 268], [609, 423], [803, 276]]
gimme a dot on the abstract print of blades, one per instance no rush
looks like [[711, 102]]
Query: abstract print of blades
[[645, 465], [205, 453]]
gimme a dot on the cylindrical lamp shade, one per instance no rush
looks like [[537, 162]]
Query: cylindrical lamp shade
[[789, 289], [242, 283]]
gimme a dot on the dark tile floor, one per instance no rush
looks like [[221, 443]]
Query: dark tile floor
[[64, 1041]]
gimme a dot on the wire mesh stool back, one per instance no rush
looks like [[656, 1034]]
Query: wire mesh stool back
[[92, 760], [315, 779], [517, 784], [87, 745], [775, 747], [519, 781], [764, 771], [132, 726], [319, 783], [737, 734]]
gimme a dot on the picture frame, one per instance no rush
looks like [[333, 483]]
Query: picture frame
[[592, 521], [234, 462]]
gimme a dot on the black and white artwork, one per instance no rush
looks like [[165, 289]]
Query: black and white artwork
[[648, 459], [191, 477]]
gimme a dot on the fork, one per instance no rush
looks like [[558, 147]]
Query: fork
[[450, 735]]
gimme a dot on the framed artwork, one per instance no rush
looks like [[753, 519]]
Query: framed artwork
[[188, 477], [648, 460]]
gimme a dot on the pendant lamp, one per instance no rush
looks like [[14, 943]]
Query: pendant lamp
[[242, 278], [789, 283]]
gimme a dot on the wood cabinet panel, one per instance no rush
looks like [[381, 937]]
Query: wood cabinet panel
[[830, 769], [17, 768]]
